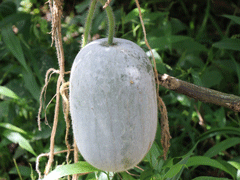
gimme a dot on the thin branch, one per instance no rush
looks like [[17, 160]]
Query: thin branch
[[200, 93]]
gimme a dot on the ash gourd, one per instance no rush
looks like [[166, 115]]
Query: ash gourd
[[113, 100], [113, 104]]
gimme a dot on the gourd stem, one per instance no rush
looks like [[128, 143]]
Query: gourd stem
[[88, 22], [111, 22]]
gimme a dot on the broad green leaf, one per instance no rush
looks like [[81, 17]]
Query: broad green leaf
[[183, 163], [211, 78], [196, 79], [7, 8], [236, 19], [12, 128], [230, 44], [228, 166], [126, 176], [177, 25], [209, 178], [81, 7], [174, 170], [162, 43], [4, 142], [153, 157], [31, 84], [235, 164], [18, 138], [24, 171], [4, 109], [64, 170], [8, 92], [132, 15], [14, 18], [218, 131], [189, 46], [184, 100], [13, 44], [147, 174], [206, 161]]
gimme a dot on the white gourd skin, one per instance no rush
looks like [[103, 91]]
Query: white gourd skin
[[113, 104]]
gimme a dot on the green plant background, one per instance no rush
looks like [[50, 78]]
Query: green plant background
[[196, 41]]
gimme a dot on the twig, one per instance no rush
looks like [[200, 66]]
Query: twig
[[200, 93], [19, 174], [46, 155], [56, 11], [139, 168], [44, 89], [64, 94], [107, 3], [75, 153]]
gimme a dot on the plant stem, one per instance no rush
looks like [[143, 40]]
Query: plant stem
[[88, 22], [200, 93], [111, 22], [19, 174]]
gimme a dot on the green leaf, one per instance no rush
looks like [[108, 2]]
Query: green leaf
[[161, 43], [7, 92], [230, 44], [31, 84], [209, 178], [189, 46], [18, 138], [153, 157], [218, 131], [12, 128], [24, 171], [64, 170], [174, 170], [13, 44], [126, 176], [235, 164], [196, 79], [236, 19], [183, 163], [14, 18], [131, 16], [4, 109], [222, 146], [206, 161], [7, 8], [80, 8], [147, 174], [211, 78]]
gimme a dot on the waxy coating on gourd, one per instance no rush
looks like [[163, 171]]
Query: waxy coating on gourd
[[113, 104]]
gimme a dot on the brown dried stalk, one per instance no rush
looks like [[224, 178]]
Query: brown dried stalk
[[56, 12], [200, 93]]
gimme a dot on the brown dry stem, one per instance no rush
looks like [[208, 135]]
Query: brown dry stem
[[107, 3], [64, 94], [165, 134], [200, 93], [56, 12], [50, 71], [46, 155]]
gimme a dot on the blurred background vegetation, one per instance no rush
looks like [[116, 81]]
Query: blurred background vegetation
[[196, 41]]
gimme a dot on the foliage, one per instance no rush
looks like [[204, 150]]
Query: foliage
[[196, 42]]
